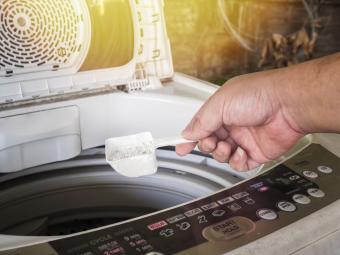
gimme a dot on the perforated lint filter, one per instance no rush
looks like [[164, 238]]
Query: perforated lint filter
[[43, 35]]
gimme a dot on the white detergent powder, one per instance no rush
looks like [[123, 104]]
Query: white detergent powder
[[132, 156], [135, 155]]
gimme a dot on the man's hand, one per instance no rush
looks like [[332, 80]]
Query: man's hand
[[243, 123], [258, 117]]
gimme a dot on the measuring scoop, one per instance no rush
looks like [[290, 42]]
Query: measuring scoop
[[135, 155]]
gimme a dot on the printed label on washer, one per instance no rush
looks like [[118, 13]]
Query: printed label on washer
[[240, 195], [209, 206], [225, 200], [176, 218], [193, 212], [157, 225]]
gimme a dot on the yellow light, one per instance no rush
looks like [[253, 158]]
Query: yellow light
[[100, 5], [112, 34]]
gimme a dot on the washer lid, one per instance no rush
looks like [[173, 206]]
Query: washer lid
[[56, 47], [41, 37]]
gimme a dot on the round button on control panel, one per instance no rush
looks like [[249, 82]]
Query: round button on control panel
[[286, 206], [229, 229], [267, 214], [301, 199], [310, 174], [314, 192], [325, 169]]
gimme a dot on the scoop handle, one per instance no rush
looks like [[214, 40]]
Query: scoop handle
[[170, 141]]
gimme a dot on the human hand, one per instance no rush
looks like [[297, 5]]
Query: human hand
[[243, 123]]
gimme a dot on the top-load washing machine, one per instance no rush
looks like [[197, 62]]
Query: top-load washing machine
[[76, 72]]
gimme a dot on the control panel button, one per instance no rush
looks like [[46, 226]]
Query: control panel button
[[225, 200], [325, 169], [301, 199], [240, 195], [249, 201], [228, 229], [286, 206], [234, 207], [157, 225], [193, 212], [175, 218], [310, 174], [267, 214], [210, 206], [314, 192]]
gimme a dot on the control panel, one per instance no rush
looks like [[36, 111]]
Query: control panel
[[232, 217]]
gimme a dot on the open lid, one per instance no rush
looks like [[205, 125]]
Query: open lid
[[55, 47]]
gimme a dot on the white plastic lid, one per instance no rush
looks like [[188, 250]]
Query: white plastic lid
[[42, 38], [43, 45]]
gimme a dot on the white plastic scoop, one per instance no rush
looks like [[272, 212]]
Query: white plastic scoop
[[135, 155]]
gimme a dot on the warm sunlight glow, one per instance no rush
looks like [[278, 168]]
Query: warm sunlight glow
[[112, 39]]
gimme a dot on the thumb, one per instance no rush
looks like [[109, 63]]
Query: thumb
[[207, 120]]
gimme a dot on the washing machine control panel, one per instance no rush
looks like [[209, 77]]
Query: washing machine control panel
[[228, 219]]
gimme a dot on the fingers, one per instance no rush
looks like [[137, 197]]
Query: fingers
[[222, 133], [208, 145], [241, 161], [202, 127], [207, 120], [252, 164], [238, 160], [184, 149], [222, 152]]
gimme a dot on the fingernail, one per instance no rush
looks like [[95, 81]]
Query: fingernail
[[238, 154]]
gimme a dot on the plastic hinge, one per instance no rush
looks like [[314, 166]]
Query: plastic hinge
[[138, 85]]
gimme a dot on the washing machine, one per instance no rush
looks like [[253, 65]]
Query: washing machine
[[76, 72]]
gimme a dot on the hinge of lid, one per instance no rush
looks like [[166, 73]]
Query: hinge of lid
[[137, 85], [142, 81]]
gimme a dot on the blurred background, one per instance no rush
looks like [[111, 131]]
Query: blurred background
[[215, 40]]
